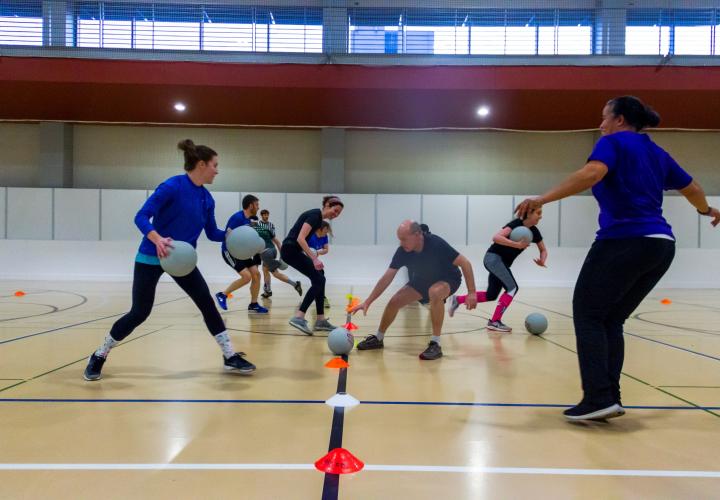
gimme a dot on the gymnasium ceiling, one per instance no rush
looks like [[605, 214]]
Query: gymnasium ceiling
[[307, 95]]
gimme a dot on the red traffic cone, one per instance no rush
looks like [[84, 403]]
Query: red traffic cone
[[339, 461], [19, 293], [350, 327]]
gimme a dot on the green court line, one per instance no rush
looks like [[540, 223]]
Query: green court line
[[642, 381], [81, 359], [691, 386]]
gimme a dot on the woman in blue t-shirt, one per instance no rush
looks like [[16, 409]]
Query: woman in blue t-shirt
[[320, 245], [179, 209], [634, 247]]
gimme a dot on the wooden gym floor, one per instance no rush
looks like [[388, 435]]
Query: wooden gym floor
[[482, 422]]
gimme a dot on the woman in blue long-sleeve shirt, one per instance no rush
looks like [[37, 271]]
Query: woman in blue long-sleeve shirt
[[179, 209]]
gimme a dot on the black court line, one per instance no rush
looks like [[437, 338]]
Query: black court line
[[54, 308], [666, 344], [318, 402], [81, 323], [324, 336], [691, 386], [699, 407], [79, 360], [625, 373], [639, 317], [331, 484]]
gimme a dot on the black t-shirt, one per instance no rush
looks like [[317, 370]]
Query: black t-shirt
[[312, 217], [434, 263], [509, 254]]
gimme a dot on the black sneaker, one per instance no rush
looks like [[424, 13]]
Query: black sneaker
[[433, 351], [370, 342], [266, 294], [236, 363], [298, 288], [592, 411], [93, 371]]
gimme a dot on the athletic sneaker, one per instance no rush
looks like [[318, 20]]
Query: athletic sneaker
[[498, 326], [327, 303], [266, 294], [93, 371], [433, 351], [255, 308], [301, 324], [324, 326], [221, 300], [298, 288], [591, 411], [453, 306], [370, 342], [237, 363]]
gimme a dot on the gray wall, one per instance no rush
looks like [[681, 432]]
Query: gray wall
[[266, 160]]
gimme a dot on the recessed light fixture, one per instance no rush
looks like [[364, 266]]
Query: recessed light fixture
[[483, 111], [179, 107]]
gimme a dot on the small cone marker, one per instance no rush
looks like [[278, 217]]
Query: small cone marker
[[342, 400], [666, 302], [337, 363], [229, 296], [339, 461], [19, 293]]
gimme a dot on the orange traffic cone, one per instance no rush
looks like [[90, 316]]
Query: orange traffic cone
[[337, 363]]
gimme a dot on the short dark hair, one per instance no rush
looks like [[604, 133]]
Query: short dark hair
[[264, 211], [415, 228], [248, 200], [637, 114]]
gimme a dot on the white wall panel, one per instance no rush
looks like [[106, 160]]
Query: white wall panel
[[447, 216], [392, 209], [578, 221], [356, 224], [117, 213], [77, 214], [486, 215], [683, 218], [29, 214], [710, 236], [226, 204]]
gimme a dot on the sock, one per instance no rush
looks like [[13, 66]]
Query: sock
[[436, 339], [503, 304], [107, 344], [223, 340], [481, 297], [266, 288], [380, 335]]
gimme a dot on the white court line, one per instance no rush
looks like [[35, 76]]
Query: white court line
[[377, 468]]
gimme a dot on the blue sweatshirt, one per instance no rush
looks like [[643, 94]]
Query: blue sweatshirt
[[179, 210]]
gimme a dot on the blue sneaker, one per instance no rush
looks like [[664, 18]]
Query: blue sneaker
[[256, 308], [221, 300]]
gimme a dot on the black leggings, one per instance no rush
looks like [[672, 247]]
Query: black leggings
[[295, 257], [616, 276], [145, 279]]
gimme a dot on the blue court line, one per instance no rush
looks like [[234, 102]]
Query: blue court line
[[318, 401], [673, 346]]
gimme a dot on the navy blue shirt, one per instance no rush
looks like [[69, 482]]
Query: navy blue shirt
[[631, 194], [236, 220], [318, 243], [179, 210], [432, 264]]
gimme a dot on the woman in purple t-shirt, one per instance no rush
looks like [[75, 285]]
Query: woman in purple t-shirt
[[633, 249]]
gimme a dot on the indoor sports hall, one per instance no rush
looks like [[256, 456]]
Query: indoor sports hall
[[359, 250]]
